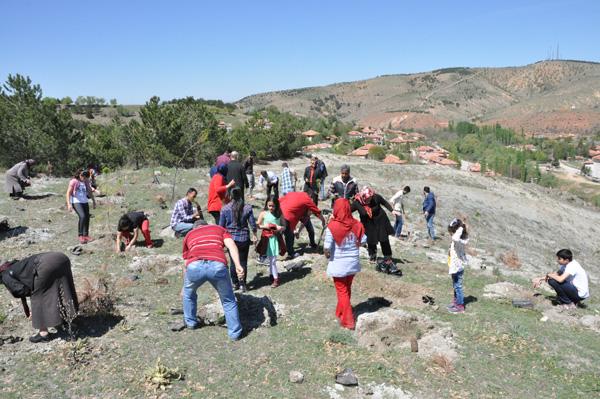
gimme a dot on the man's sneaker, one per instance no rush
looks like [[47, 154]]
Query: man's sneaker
[[452, 305], [82, 240], [275, 283], [243, 287], [457, 309]]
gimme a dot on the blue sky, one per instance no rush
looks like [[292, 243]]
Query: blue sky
[[131, 50]]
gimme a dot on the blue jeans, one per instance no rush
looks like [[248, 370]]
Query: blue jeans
[[217, 274], [566, 292], [457, 284], [430, 228], [183, 228], [398, 225]]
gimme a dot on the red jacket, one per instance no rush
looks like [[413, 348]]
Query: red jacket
[[295, 205], [217, 193]]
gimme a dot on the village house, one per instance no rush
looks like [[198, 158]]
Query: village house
[[310, 134], [393, 159], [362, 151]]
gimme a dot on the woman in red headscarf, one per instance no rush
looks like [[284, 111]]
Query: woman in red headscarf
[[378, 228], [343, 237]]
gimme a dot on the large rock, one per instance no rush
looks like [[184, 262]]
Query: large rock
[[505, 290], [591, 322], [165, 265], [389, 328], [167, 232], [255, 312]]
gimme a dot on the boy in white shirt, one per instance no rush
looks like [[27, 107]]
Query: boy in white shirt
[[570, 282]]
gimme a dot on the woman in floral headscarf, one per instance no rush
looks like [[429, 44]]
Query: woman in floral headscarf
[[370, 205]]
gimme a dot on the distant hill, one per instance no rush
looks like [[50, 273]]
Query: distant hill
[[548, 97]]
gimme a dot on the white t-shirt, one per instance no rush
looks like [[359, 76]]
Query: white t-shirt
[[580, 278]]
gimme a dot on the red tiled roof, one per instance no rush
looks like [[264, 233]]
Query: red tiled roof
[[425, 148], [319, 146], [392, 159], [354, 133], [310, 133]]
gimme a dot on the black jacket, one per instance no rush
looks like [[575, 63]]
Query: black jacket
[[19, 276], [235, 171]]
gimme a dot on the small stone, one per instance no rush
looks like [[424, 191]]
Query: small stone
[[347, 378], [144, 314], [544, 319], [296, 377], [414, 345], [133, 277]]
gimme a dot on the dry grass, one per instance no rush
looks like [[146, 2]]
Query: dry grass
[[511, 260], [95, 297], [442, 363]]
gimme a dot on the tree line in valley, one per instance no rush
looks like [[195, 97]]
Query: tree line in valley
[[515, 155], [180, 132]]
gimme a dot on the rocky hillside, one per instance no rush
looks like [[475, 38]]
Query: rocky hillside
[[550, 97]]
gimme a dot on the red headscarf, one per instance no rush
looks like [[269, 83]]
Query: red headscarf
[[343, 223], [364, 198]]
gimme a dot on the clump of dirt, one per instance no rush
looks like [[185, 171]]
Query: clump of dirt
[[254, 312], [399, 293], [511, 260]]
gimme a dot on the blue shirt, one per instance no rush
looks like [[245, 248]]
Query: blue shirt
[[239, 233], [429, 204]]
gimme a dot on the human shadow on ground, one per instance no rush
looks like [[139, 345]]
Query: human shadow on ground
[[13, 232], [372, 304], [470, 299], [259, 280], [256, 312], [157, 243], [37, 196], [90, 326]]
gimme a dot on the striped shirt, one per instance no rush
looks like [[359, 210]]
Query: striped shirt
[[287, 182], [205, 243], [183, 212], [239, 233]]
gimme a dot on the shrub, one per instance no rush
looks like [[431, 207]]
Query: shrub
[[548, 180], [377, 153]]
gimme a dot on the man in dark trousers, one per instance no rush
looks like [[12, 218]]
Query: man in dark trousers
[[249, 171], [312, 176], [235, 172]]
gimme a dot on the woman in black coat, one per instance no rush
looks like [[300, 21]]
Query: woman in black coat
[[48, 280], [378, 228]]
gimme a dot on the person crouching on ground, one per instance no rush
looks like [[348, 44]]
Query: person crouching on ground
[[271, 243], [48, 280], [18, 177], [133, 222], [184, 215], [205, 261], [343, 237], [457, 258], [235, 217], [78, 194], [570, 282]]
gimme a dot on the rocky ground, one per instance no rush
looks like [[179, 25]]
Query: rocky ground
[[406, 345]]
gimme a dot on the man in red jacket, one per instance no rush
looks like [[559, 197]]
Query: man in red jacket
[[297, 207]]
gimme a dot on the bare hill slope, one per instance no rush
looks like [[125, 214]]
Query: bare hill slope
[[543, 98]]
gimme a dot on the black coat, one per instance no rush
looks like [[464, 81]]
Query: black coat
[[377, 227], [235, 171]]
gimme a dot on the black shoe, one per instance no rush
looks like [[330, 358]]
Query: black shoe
[[243, 287], [37, 338], [236, 286]]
